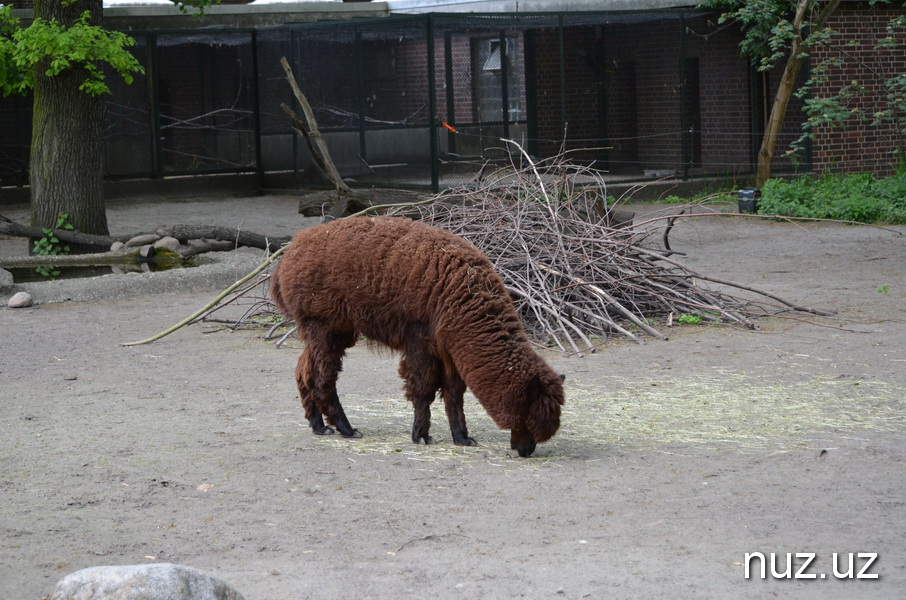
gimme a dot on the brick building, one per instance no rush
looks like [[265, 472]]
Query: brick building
[[419, 97]]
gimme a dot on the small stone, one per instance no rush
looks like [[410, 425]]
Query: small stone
[[20, 300], [143, 582], [117, 246], [147, 252], [168, 243], [142, 240], [6, 279]]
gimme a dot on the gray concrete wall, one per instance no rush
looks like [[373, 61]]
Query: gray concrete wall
[[167, 16], [529, 6]]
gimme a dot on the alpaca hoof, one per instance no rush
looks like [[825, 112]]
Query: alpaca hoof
[[353, 434], [427, 440], [465, 442], [323, 431]]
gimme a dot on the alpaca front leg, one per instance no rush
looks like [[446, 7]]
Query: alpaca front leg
[[338, 417], [453, 389]]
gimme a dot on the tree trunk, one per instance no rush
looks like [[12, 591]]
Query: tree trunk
[[67, 170], [798, 51], [778, 114]]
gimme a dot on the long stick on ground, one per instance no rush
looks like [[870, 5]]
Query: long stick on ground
[[207, 307]]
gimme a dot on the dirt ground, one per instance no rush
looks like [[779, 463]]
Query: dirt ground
[[675, 459]]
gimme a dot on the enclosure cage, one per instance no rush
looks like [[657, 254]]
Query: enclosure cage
[[432, 101]]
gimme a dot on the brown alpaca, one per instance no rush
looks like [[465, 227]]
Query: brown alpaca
[[430, 295]]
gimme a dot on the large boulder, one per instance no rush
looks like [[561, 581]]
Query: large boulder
[[143, 582], [6, 279]]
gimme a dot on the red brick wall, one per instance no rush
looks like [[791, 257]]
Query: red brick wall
[[860, 146], [724, 97], [546, 85], [640, 67], [658, 94]]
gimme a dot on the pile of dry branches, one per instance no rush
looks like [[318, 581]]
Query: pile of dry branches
[[577, 269]]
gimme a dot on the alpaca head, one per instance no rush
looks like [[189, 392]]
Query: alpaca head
[[544, 395]]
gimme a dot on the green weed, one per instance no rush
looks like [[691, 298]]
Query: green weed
[[687, 319], [859, 197], [50, 245]]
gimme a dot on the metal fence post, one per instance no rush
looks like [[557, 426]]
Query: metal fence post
[[451, 96], [360, 83], [256, 108], [154, 88], [561, 47], [432, 107], [504, 85], [686, 137]]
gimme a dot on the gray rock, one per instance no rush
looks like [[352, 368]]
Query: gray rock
[[167, 243], [143, 582], [142, 240], [147, 252], [117, 246], [20, 300], [6, 279]]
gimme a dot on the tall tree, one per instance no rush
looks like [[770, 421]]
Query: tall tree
[[67, 176], [61, 56]]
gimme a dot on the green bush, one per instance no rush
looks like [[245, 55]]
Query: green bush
[[859, 197]]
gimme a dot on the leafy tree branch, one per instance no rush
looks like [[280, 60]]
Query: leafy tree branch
[[788, 32], [53, 47]]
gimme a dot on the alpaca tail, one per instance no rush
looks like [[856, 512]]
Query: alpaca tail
[[276, 291]]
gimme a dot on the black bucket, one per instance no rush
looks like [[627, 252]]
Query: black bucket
[[748, 200]]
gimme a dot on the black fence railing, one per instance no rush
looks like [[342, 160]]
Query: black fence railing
[[427, 101]]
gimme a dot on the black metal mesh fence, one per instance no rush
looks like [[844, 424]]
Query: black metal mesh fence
[[367, 85], [206, 102], [427, 101], [129, 125], [15, 139]]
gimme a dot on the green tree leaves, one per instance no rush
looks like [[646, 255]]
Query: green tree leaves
[[53, 48]]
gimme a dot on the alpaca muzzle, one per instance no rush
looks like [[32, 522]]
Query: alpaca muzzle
[[522, 441]]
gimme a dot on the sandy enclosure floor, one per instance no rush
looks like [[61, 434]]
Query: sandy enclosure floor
[[674, 460]]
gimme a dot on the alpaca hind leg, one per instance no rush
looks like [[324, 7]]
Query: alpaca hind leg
[[324, 352], [453, 389], [307, 393], [421, 373]]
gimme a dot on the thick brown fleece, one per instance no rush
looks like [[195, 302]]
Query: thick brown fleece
[[418, 289]]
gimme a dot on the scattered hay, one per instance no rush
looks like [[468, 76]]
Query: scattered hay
[[727, 410], [715, 411]]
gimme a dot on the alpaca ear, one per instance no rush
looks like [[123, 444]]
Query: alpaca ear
[[534, 389]]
